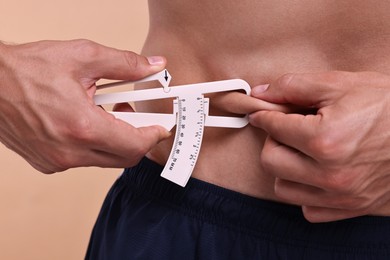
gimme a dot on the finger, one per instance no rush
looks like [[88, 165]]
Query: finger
[[289, 164], [318, 205], [125, 154], [105, 62], [239, 103], [302, 194], [323, 214], [120, 138], [294, 130], [127, 65], [105, 159], [309, 89], [297, 193], [90, 157]]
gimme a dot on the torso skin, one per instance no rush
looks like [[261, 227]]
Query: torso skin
[[258, 41]]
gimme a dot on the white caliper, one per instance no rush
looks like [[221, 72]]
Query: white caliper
[[190, 115]]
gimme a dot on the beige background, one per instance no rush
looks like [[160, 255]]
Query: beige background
[[51, 216]]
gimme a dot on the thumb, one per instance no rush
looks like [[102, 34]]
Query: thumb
[[119, 138], [308, 90], [152, 135], [110, 63]]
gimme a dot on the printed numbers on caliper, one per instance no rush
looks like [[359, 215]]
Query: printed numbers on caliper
[[188, 139]]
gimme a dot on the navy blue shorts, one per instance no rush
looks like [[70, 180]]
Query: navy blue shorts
[[147, 217]]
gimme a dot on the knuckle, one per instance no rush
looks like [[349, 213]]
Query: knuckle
[[339, 182], [131, 59], [266, 162], [86, 49], [323, 147], [285, 80], [81, 131], [328, 147]]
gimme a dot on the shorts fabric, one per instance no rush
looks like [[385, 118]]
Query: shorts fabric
[[147, 217]]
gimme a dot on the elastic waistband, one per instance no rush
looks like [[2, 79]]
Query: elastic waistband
[[253, 216]]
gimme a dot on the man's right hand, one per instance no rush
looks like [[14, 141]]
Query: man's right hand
[[47, 111]]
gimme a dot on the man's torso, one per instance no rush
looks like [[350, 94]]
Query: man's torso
[[258, 41]]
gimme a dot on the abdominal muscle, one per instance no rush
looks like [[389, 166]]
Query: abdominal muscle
[[200, 47]]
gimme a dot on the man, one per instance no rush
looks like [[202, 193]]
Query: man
[[47, 111], [240, 202], [228, 210]]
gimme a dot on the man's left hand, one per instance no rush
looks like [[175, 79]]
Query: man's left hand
[[334, 162]]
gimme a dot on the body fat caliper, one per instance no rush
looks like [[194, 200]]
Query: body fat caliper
[[190, 115]]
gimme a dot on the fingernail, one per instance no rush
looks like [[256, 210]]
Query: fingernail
[[156, 60], [259, 89]]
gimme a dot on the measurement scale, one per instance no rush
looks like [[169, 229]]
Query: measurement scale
[[190, 115]]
